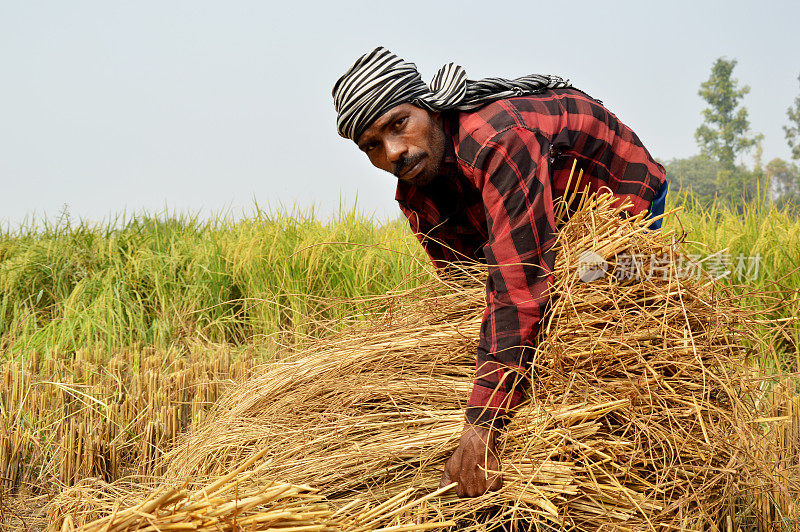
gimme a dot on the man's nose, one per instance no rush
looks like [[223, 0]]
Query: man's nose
[[395, 150]]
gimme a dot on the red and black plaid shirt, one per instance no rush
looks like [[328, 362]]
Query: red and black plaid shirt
[[493, 201]]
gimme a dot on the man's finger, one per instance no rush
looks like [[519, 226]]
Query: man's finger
[[469, 479], [461, 478], [445, 481], [494, 477], [495, 481], [450, 473]]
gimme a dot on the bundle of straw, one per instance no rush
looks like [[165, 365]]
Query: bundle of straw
[[637, 418], [232, 503], [218, 507]]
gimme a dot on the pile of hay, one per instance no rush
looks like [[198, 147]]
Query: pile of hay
[[232, 503], [639, 416]]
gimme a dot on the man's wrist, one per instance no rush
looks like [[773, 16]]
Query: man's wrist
[[486, 434], [487, 417]]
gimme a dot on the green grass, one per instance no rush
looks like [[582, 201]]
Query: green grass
[[158, 281], [772, 235], [155, 281]]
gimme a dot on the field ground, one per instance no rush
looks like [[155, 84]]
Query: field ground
[[113, 339]]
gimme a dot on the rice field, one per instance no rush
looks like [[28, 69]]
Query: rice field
[[163, 281], [157, 282], [115, 338]]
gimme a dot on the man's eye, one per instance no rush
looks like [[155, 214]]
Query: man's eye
[[400, 123], [369, 147]]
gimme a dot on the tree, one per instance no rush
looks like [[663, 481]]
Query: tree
[[793, 129], [697, 173], [725, 132], [756, 184], [784, 181]]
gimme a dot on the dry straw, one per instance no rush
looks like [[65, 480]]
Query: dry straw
[[640, 415], [63, 419]]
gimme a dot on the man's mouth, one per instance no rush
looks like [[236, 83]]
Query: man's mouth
[[409, 171]]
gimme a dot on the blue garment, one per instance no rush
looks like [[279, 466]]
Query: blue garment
[[657, 206]]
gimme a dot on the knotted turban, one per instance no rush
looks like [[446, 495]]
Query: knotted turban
[[380, 80]]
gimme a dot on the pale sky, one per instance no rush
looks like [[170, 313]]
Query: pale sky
[[204, 107]]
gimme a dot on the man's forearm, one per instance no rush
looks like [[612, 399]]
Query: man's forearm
[[498, 389]]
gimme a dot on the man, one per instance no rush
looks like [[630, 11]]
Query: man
[[479, 165]]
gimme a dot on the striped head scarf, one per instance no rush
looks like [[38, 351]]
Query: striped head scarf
[[380, 80]]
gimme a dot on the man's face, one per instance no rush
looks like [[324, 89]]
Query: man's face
[[406, 141]]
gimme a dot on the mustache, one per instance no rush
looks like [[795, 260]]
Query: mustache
[[406, 162]]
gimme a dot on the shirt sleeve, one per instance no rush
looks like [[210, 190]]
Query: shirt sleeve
[[512, 171]]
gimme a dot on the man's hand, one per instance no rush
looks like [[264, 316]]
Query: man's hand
[[474, 465]]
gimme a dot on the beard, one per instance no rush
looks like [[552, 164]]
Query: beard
[[406, 162], [434, 155]]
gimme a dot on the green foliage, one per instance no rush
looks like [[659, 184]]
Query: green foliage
[[770, 234], [697, 174], [725, 132], [784, 180], [160, 281], [792, 131], [755, 184], [176, 281]]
